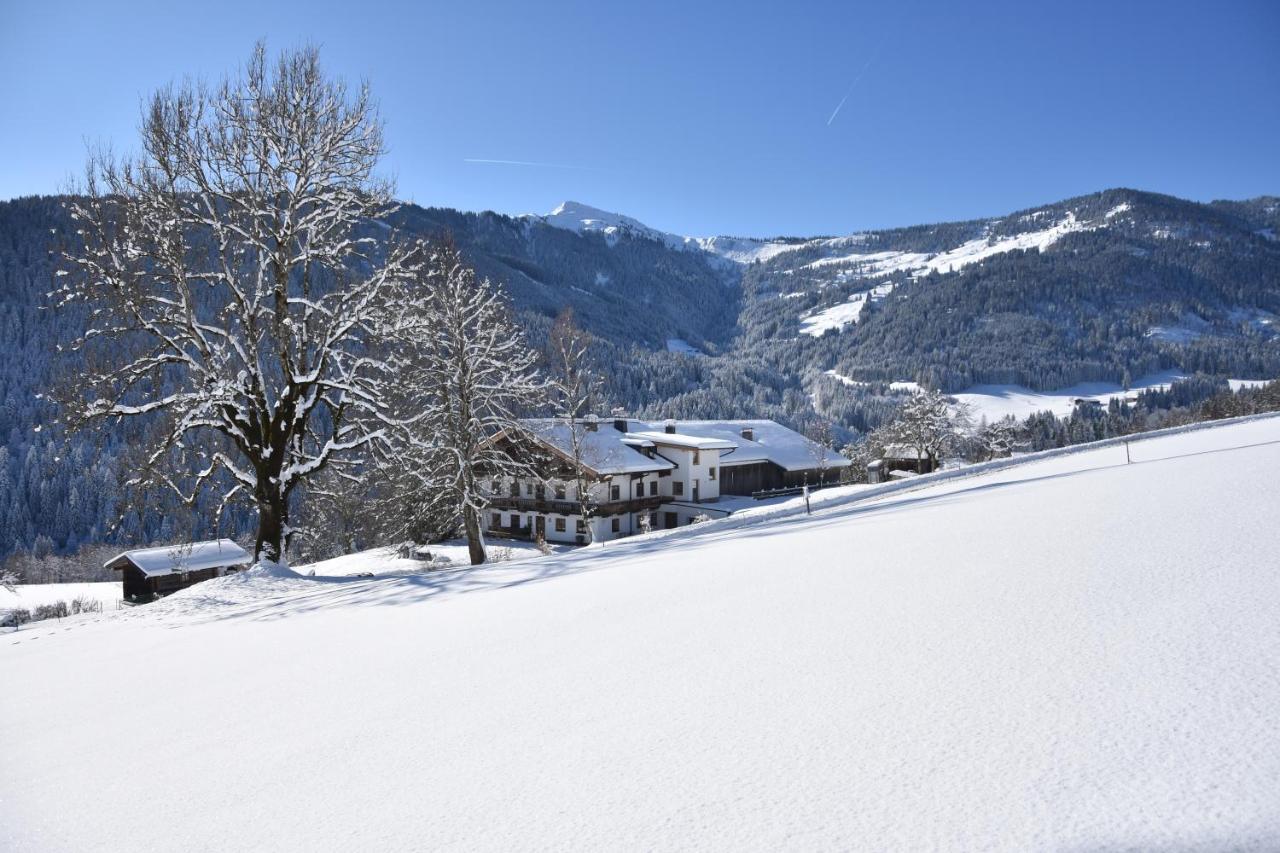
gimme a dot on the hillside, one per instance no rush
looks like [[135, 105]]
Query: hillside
[[1115, 287], [1093, 668]]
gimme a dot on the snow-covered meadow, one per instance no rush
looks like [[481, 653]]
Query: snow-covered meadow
[[32, 595], [1072, 653]]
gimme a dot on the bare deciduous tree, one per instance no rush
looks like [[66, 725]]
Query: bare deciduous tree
[[928, 425], [577, 389], [474, 378], [234, 261], [819, 445]]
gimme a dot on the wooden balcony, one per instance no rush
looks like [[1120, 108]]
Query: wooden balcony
[[567, 507]]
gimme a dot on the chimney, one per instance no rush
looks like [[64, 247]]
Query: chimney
[[591, 423], [669, 426], [748, 433]]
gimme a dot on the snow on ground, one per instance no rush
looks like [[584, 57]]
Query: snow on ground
[[898, 385], [32, 595], [839, 316], [679, 345], [873, 264], [996, 401], [1071, 654], [453, 552], [745, 250], [1173, 334]]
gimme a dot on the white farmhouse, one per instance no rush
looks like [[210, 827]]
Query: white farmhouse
[[643, 474]]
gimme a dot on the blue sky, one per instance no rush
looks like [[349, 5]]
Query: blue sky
[[709, 117]]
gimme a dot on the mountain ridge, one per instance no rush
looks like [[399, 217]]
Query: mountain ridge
[[822, 330]]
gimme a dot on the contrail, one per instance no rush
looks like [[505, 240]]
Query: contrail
[[486, 162], [849, 91]]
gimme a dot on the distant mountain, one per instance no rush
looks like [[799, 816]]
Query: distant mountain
[[578, 217], [1103, 287]]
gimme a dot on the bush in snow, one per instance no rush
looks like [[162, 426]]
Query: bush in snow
[[52, 610], [14, 617], [85, 604]]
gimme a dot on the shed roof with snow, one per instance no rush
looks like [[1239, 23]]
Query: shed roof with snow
[[175, 559]]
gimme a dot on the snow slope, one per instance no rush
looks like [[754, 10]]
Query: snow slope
[[32, 595], [996, 401], [838, 316], [1069, 654]]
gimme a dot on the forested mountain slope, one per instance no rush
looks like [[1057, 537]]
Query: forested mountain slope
[[1115, 284]]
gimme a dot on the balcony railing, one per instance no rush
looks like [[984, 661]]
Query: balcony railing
[[567, 507]]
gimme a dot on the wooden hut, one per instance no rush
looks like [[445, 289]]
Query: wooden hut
[[152, 572]]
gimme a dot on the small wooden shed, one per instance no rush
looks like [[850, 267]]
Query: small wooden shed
[[151, 572]]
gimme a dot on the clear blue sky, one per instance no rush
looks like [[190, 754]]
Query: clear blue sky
[[710, 117]]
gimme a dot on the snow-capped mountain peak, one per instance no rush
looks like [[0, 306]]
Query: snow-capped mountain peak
[[578, 217]]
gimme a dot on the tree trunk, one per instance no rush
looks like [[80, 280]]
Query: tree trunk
[[475, 541], [273, 518]]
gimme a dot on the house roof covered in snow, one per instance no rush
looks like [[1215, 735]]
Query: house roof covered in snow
[[604, 450], [609, 450], [755, 440], [171, 559], [679, 439]]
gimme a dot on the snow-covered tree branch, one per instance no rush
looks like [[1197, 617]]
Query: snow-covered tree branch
[[233, 263], [577, 392], [472, 378]]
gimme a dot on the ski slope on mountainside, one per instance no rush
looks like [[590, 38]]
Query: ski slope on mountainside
[[1071, 654]]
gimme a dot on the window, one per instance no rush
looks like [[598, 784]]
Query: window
[[677, 488], [559, 525], [615, 493], [695, 457], [528, 489], [559, 491], [711, 473], [497, 519], [616, 524], [582, 526], [653, 487], [515, 489]]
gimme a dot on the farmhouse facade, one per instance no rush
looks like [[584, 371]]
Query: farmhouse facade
[[642, 475]]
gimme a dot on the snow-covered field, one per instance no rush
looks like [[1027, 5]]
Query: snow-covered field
[[1070, 654], [839, 316], [32, 595], [453, 553], [996, 401]]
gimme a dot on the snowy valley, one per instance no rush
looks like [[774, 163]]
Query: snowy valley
[[1094, 669]]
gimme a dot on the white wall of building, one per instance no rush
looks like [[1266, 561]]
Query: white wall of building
[[705, 472]]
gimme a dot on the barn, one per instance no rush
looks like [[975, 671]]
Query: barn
[[152, 572]]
